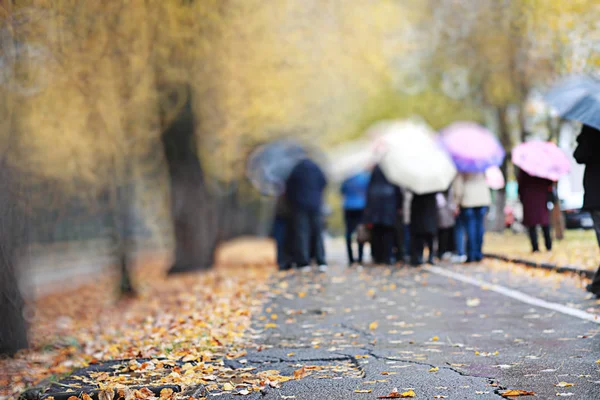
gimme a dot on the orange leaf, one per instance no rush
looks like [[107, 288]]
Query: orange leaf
[[513, 392], [394, 394], [300, 373]]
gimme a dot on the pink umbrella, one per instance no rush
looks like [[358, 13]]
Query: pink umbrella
[[473, 148], [541, 159], [494, 178]]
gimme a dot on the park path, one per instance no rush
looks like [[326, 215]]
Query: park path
[[463, 332]]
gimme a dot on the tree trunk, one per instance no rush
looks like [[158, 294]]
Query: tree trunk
[[504, 135], [13, 328], [193, 208]]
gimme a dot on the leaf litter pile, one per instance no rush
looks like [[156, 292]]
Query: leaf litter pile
[[578, 249], [179, 332]]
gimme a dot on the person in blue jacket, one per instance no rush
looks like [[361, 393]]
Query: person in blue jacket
[[354, 191], [304, 191]]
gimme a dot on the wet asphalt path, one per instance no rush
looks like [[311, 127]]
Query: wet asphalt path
[[361, 333]]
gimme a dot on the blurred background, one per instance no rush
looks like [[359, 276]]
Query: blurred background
[[127, 125]]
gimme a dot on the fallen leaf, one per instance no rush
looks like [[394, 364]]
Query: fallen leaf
[[564, 384], [439, 396], [363, 391], [274, 317], [434, 369], [564, 394], [270, 325], [513, 392], [106, 394], [435, 339], [373, 325], [244, 392], [394, 394], [301, 294], [473, 302], [228, 387], [300, 373], [291, 354], [166, 393]]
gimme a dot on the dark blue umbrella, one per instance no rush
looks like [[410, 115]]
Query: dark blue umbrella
[[270, 165], [577, 98]]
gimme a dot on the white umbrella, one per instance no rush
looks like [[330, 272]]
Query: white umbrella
[[349, 159], [412, 157]]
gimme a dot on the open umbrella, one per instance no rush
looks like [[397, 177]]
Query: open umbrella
[[577, 98], [472, 147], [269, 165], [541, 159], [349, 159], [412, 157], [494, 178]]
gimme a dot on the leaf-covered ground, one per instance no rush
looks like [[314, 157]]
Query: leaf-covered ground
[[198, 319], [578, 248]]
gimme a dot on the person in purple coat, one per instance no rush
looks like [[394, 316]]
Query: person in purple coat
[[534, 193]]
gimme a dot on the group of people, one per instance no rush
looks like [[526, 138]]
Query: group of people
[[402, 224]]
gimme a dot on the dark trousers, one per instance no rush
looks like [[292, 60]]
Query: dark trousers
[[418, 243], [307, 237], [352, 219], [533, 237], [445, 241], [473, 218], [400, 235], [279, 233], [595, 285], [382, 243]]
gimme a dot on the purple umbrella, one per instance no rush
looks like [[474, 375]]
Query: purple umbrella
[[472, 147]]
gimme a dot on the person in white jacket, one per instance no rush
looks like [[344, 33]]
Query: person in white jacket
[[472, 198]]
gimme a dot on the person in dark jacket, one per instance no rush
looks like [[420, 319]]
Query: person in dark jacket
[[588, 153], [384, 200], [354, 190], [304, 191], [534, 193], [423, 226]]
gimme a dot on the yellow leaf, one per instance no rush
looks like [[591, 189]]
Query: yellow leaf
[[291, 354], [363, 391], [434, 369], [371, 292], [373, 325], [435, 339], [564, 384], [270, 325], [302, 294], [228, 387], [166, 393], [274, 317]]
